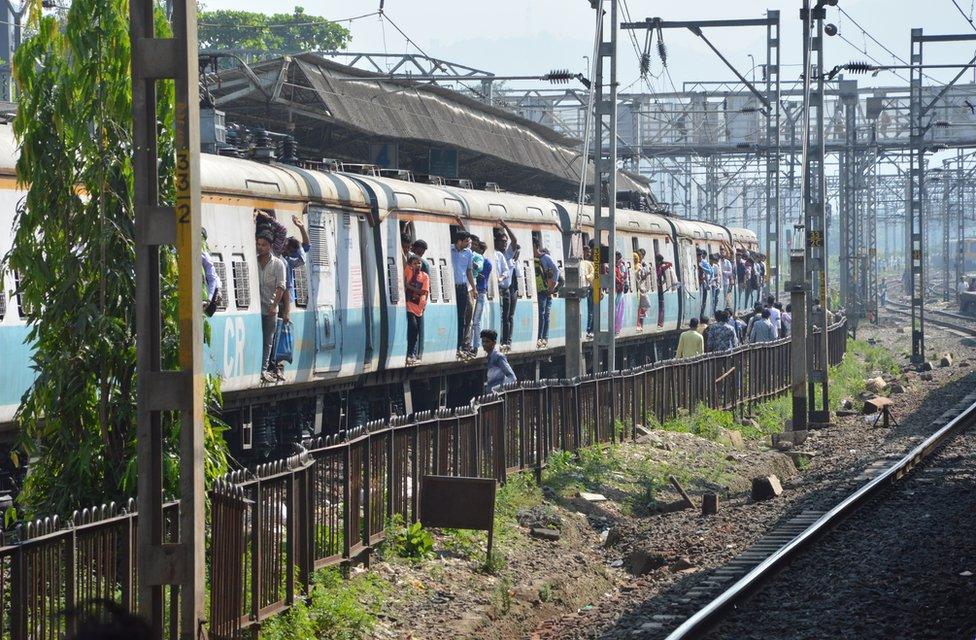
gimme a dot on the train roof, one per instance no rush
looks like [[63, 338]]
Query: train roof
[[236, 176]]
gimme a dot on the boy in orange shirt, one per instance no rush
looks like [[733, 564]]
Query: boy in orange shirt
[[417, 284]]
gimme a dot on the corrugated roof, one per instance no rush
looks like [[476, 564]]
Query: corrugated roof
[[309, 87]]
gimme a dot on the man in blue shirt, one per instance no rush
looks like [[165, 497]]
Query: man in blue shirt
[[294, 257], [704, 279], [762, 330], [499, 371], [464, 287], [548, 277]]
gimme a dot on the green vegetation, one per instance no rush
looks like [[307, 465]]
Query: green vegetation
[[407, 541], [770, 416], [521, 491], [73, 243], [278, 33], [623, 470], [876, 358], [334, 609]]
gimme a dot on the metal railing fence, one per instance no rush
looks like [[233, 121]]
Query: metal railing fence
[[272, 527]]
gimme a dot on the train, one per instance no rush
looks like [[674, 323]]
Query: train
[[349, 317]]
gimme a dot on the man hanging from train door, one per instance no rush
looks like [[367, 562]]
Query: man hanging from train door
[[508, 286], [464, 287], [271, 286], [666, 281], [547, 275]]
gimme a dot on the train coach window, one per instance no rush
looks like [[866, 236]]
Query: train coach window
[[528, 275], [301, 287], [22, 309], [392, 280], [221, 270], [242, 284], [446, 280], [435, 280]]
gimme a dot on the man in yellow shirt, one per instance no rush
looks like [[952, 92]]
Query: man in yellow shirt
[[691, 343]]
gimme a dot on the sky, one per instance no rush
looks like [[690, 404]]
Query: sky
[[511, 37]]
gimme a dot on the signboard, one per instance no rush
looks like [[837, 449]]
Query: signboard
[[458, 503], [443, 162]]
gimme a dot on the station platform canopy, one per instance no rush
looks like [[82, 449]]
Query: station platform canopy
[[353, 115]]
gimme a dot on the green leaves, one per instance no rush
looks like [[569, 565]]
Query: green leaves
[[295, 32], [74, 250]]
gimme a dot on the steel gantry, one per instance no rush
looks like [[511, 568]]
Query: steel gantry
[[922, 119], [765, 102], [605, 184], [814, 210], [849, 185]]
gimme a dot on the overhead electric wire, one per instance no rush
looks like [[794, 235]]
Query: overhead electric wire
[[634, 42], [854, 46], [965, 17], [285, 25], [877, 42]]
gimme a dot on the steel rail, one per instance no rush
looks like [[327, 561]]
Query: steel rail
[[934, 317], [702, 622]]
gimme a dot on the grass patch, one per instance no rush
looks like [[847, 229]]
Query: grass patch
[[875, 358], [519, 492], [412, 541], [335, 609], [589, 467], [703, 422], [770, 416]]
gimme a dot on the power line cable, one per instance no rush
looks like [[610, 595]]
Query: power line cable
[[879, 43], [865, 52], [286, 25], [965, 17]]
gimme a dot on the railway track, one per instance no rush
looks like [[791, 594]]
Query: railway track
[[800, 535], [957, 323]]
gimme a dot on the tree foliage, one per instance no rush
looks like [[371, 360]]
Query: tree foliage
[[277, 33], [73, 246]]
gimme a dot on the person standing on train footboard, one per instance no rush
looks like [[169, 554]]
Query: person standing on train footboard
[[509, 293], [464, 287], [547, 277], [417, 285], [271, 285]]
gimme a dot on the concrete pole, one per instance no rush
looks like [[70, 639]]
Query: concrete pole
[[798, 339], [574, 329]]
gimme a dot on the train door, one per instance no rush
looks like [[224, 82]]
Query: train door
[[325, 286], [368, 290]]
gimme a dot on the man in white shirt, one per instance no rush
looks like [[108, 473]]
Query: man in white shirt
[[774, 315], [271, 286], [728, 277], [587, 272], [509, 248]]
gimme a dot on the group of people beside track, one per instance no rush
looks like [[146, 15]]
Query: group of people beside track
[[472, 265], [767, 322]]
